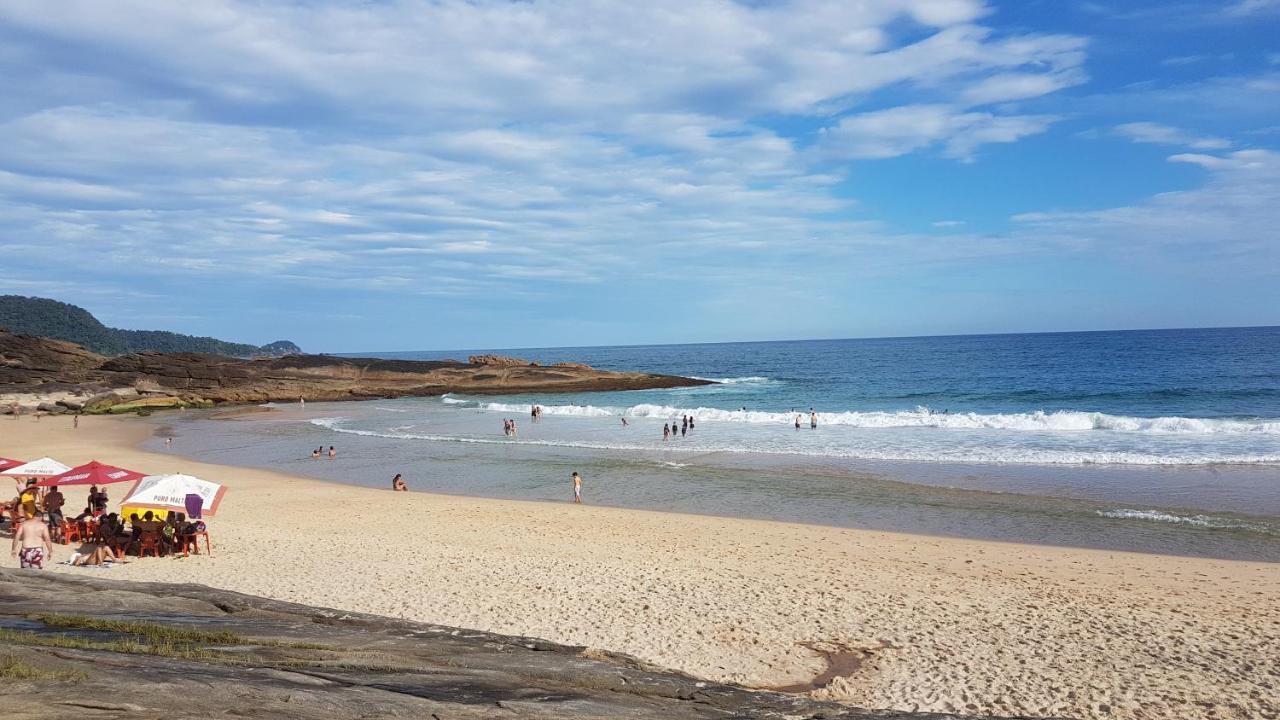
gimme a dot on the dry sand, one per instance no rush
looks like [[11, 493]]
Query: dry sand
[[938, 624]]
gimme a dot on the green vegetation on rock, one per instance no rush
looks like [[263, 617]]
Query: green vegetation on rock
[[63, 321]]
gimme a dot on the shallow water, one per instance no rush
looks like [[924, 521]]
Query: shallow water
[[1176, 510]]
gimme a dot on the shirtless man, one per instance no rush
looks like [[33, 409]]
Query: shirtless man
[[31, 544], [577, 488]]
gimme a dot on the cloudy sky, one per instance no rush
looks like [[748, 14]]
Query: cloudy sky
[[437, 175]]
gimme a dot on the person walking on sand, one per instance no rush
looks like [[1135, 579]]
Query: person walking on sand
[[75, 422], [397, 484], [577, 487], [32, 545]]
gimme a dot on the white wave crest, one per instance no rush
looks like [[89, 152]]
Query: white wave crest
[[1039, 421], [566, 410], [1203, 521], [993, 455], [749, 380]]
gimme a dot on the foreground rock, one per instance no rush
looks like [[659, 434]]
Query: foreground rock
[[35, 367], [279, 660]]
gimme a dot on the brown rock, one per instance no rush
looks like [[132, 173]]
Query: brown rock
[[498, 360]]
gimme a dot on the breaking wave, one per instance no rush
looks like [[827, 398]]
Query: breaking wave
[[911, 452], [1210, 522], [922, 417]]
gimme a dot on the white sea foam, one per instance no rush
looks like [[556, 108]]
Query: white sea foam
[[1203, 521], [749, 380], [911, 452], [1059, 421]]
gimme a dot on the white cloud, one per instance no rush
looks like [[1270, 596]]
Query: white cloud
[[451, 147], [1150, 132], [1253, 7], [900, 130], [1231, 219]]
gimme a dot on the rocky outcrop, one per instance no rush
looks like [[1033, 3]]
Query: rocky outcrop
[[80, 647], [32, 360], [152, 379], [499, 361]]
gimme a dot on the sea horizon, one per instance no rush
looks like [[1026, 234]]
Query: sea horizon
[[382, 353]]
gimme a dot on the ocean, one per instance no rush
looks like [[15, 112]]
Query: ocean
[[1160, 441]]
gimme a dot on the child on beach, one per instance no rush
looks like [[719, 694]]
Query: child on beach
[[577, 487], [397, 484]]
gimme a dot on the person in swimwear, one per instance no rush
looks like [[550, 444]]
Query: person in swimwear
[[94, 554], [32, 544], [577, 488], [397, 484]]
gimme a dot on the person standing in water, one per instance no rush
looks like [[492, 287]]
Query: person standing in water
[[813, 420], [332, 452], [577, 487], [666, 431], [797, 421]]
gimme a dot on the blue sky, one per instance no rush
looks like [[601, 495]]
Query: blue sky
[[431, 175]]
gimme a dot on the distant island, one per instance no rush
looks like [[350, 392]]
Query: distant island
[[62, 321]]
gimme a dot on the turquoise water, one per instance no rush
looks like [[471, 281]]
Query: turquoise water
[[1163, 441]]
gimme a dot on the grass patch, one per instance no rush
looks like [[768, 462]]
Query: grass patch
[[132, 647], [150, 633], [12, 668]]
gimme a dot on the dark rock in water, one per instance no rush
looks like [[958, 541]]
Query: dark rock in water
[[249, 657]]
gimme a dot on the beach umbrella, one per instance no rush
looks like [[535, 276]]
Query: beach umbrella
[[44, 467], [91, 473], [6, 463], [169, 492]]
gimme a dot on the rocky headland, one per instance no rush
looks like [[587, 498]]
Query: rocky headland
[[53, 376], [72, 647]]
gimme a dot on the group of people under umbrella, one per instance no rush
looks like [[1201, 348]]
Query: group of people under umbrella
[[160, 514]]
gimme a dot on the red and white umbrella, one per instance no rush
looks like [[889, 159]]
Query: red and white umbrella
[[44, 467], [91, 473], [6, 463]]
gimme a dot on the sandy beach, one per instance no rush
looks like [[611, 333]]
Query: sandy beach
[[920, 623]]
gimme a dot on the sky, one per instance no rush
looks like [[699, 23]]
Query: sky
[[401, 175]]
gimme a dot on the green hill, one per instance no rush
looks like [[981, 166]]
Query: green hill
[[63, 321]]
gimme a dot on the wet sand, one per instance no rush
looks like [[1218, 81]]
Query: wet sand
[[922, 622]]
